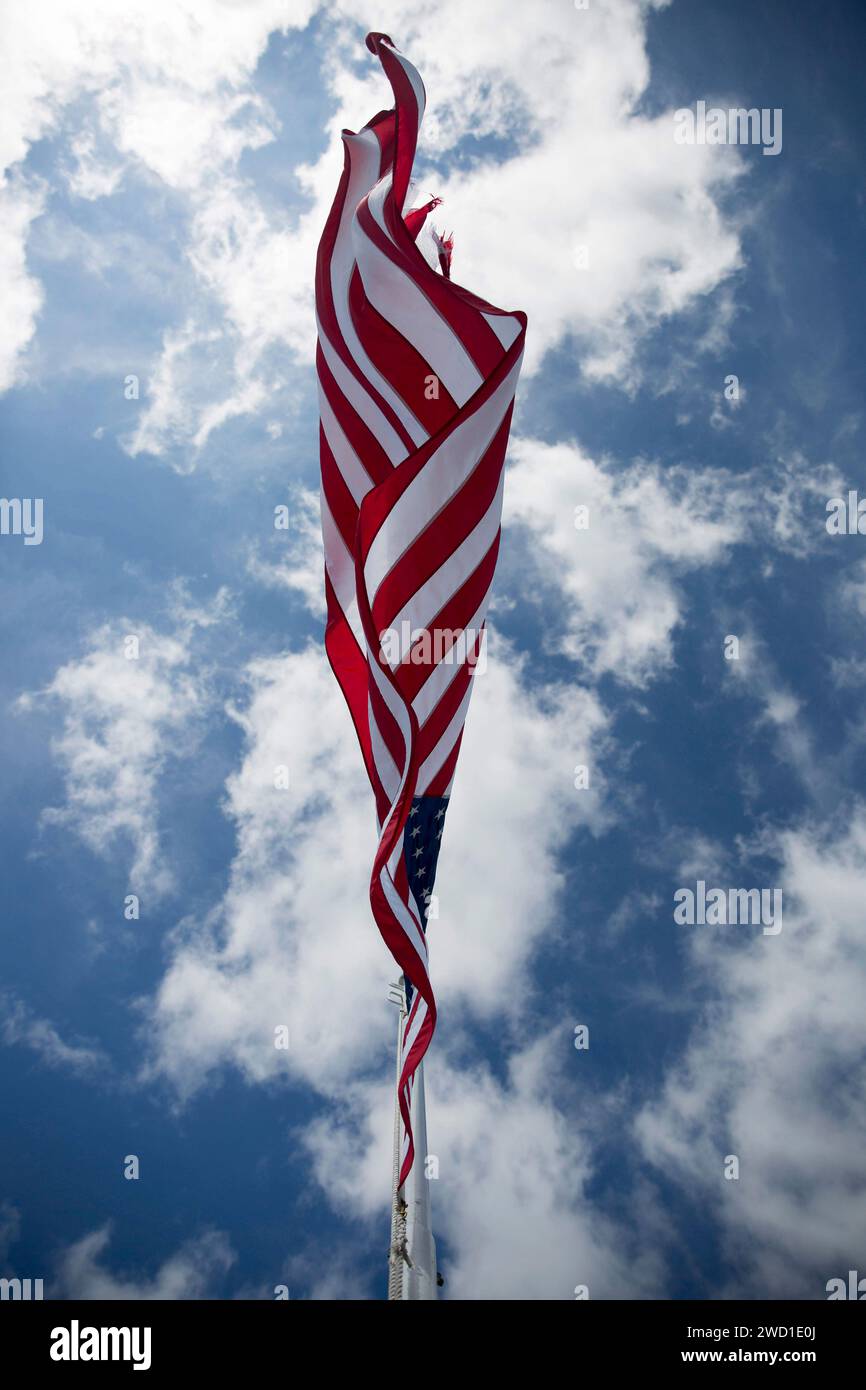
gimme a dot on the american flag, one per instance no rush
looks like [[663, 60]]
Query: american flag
[[416, 389]]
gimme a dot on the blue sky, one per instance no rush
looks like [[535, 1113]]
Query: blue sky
[[168, 172]]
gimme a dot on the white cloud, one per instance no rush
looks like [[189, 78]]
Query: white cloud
[[301, 567], [645, 206], [777, 713], [773, 1074], [91, 176], [580, 167], [194, 1271], [57, 52], [511, 1197], [618, 577], [696, 855], [163, 88], [19, 1026], [636, 906], [725, 408], [122, 720], [23, 296], [514, 810], [795, 507], [293, 942], [649, 526]]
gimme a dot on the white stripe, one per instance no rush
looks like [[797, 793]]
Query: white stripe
[[394, 862], [353, 472], [389, 773], [434, 689], [415, 1026], [428, 601], [433, 763], [341, 570], [445, 471], [401, 302], [417, 85], [443, 673], [398, 708], [505, 327], [405, 917], [362, 402], [364, 159], [395, 704]]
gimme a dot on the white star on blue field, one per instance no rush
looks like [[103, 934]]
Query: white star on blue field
[[187, 828]]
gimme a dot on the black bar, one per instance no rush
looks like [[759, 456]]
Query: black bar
[[266, 1337]]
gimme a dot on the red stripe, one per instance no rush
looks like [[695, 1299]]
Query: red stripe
[[446, 532], [459, 610], [441, 781], [406, 116], [327, 313], [365, 445], [475, 334], [350, 668], [388, 727], [341, 503], [380, 501], [399, 361], [444, 711]]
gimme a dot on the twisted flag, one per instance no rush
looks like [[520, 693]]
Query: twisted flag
[[416, 389]]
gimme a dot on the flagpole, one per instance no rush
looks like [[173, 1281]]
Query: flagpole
[[397, 1250], [412, 1270], [420, 1277]]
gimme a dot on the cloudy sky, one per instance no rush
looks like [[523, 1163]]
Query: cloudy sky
[[694, 380]]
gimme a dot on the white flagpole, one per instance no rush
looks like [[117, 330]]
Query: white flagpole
[[412, 1256], [397, 1250], [419, 1279]]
